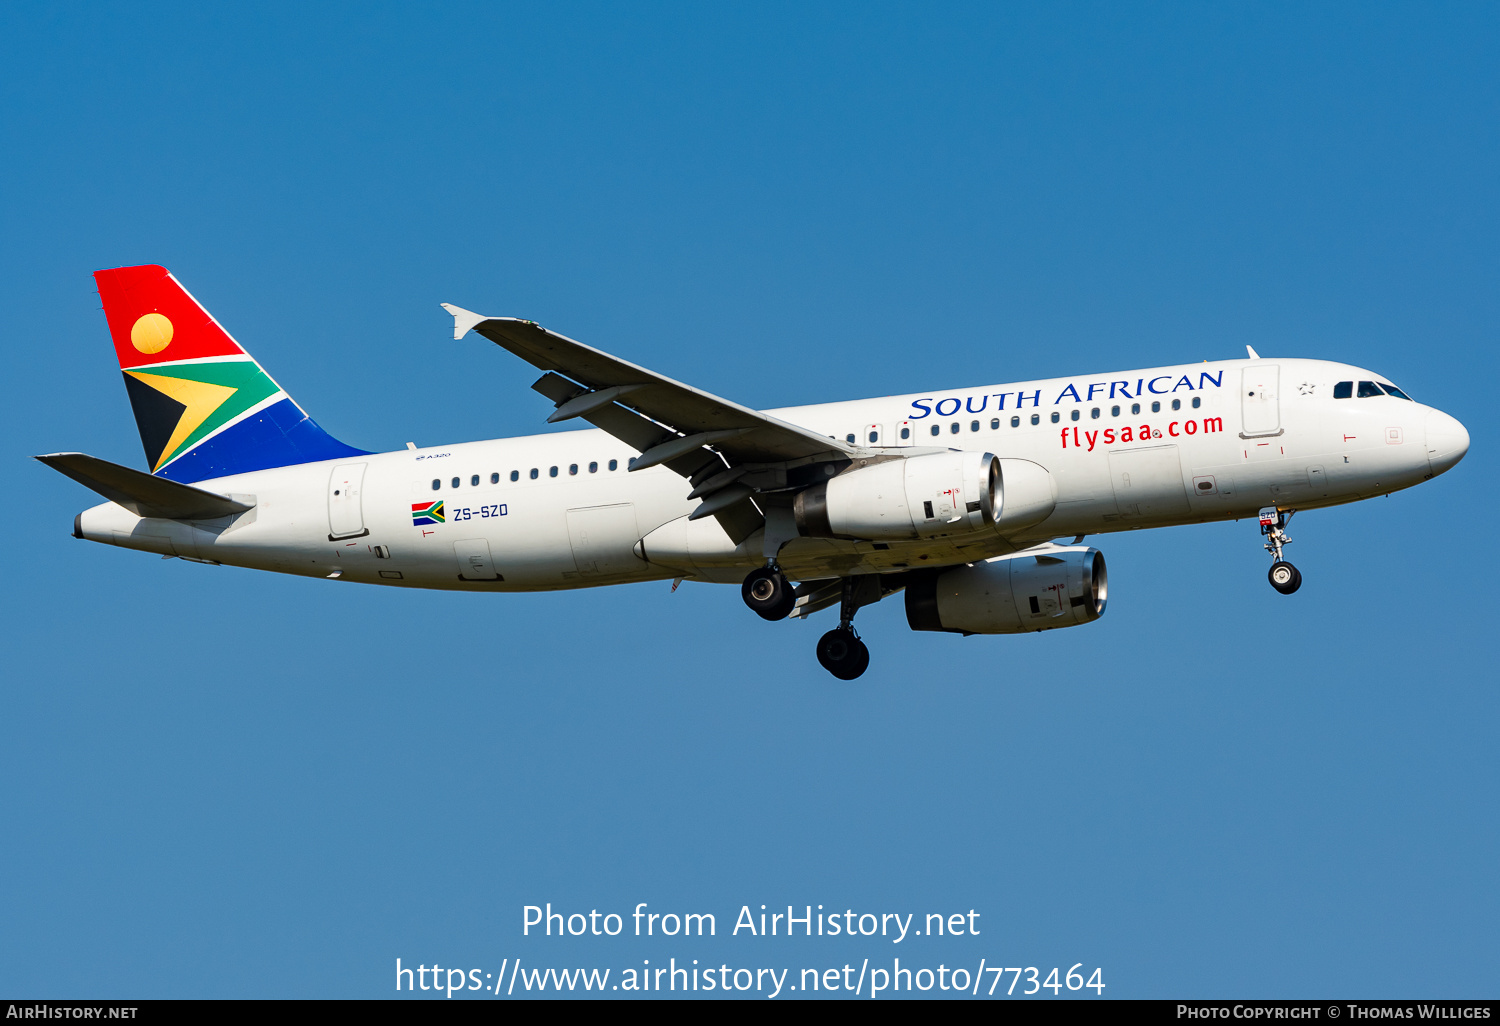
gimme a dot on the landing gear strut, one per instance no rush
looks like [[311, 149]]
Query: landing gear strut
[[1284, 577], [840, 651], [768, 592]]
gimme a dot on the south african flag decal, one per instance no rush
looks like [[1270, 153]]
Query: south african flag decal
[[426, 513]]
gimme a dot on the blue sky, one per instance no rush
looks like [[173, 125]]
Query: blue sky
[[225, 783]]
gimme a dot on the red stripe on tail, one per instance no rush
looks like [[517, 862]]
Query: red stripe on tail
[[179, 330]]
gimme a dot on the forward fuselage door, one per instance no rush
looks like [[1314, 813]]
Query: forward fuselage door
[[1260, 400], [1148, 482], [346, 516]]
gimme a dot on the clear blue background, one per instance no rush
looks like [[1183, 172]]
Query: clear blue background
[[222, 782]]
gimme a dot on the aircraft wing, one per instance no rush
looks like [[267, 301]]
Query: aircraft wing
[[593, 381]]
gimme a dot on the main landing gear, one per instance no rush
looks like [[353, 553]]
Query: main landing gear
[[769, 593], [840, 652], [1284, 577]]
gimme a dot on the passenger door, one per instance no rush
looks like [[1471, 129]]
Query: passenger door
[[1260, 400], [346, 518]]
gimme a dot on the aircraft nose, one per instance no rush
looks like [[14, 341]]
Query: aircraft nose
[[1447, 441]]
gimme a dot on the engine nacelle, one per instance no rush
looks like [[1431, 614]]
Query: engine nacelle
[[940, 493], [1027, 495], [1037, 589]]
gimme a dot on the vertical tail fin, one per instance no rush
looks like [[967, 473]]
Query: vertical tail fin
[[203, 405]]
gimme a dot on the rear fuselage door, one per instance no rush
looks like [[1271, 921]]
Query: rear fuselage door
[[1260, 400], [603, 539], [346, 517]]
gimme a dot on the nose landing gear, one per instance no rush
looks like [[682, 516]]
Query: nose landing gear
[[1284, 577]]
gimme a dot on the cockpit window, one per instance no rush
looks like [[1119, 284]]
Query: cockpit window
[[1369, 390], [1393, 390], [1343, 390]]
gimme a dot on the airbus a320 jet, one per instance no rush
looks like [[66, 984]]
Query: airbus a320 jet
[[953, 497]]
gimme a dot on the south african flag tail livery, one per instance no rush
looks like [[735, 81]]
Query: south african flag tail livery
[[205, 408]]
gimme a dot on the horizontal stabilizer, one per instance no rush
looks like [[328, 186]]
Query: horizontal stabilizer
[[141, 493]]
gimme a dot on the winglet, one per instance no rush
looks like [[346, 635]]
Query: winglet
[[463, 320], [1253, 354]]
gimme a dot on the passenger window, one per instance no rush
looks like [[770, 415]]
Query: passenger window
[[1015, 422], [455, 482], [436, 484], [936, 430], [995, 424], [551, 471], [1094, 413], [515, 475], [1055, 417], [849, 438], [1368, 390], [1156, 407], [874, 437], [1197, 401], [1393, 390], [905, 433], [1135, 408], [613, 464], [1343, 390], [1073, 415], [533, 473], [594, 468], [1176, 404], [572, 470], [973, 425], [494, 479], [1036, 418], [1114, 411], [954, 428], [474, 481]]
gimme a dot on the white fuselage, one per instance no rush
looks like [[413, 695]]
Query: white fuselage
[[548, 511]]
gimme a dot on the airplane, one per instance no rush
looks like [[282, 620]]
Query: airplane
[[963, 499]]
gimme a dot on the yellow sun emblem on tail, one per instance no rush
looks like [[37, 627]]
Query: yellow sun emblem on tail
[[151, 333]]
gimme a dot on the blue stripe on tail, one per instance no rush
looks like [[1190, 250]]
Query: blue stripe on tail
[[281, 435]]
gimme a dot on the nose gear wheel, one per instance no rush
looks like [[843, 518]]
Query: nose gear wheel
[[1284, 577]]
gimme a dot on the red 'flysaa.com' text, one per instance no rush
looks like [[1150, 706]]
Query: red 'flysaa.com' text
[[1082, 438]]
